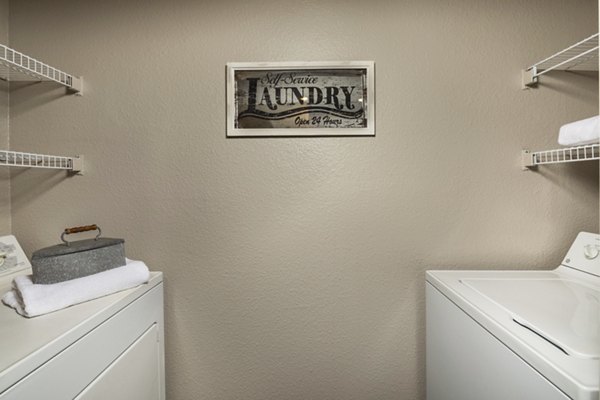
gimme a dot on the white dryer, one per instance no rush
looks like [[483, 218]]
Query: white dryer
[[512, 335], [111, 348]]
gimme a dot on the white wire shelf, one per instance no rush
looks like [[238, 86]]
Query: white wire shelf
[[560, 156], [32, 160], [16, 66], [582, 56]]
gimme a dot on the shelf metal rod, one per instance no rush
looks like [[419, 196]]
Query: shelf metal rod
[[560, 156], [557, 66], [576, 56], [38, 70], [572, 47], [33, 160]]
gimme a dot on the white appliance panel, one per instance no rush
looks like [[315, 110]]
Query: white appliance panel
[[565, 312], [465, 362]]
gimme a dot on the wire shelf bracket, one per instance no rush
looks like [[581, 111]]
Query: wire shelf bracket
[[16, 66], [33, 160], [582, 56], [531, 159]]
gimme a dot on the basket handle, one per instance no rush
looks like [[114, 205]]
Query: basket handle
[[78, 229]]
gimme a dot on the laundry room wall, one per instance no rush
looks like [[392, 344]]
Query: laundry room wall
[[5, 227], [294, 267]]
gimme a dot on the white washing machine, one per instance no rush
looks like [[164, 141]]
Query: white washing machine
[[110, 348], [512, 335]]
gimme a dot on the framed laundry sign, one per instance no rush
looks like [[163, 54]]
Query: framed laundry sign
[[301, 99]]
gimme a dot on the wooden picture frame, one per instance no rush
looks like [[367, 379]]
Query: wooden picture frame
[[301, 99]]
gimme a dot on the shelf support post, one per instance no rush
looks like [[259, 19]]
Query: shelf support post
[[529, 78], [77, 166], [76, 85], [527, 160]]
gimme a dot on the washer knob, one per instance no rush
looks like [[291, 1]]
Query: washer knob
[[590, 251]]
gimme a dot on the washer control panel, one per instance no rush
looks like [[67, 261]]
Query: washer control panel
[[584, 253], [12, 257]]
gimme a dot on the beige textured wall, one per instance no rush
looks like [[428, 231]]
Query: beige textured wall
[[295, 267], [5, 227]]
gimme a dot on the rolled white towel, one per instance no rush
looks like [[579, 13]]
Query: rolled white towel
[[580, 133], [30, 300]]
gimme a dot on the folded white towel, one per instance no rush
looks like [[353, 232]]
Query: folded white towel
[[30, 300], [580, 133]]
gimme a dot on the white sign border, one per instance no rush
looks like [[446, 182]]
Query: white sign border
[[232, 131]]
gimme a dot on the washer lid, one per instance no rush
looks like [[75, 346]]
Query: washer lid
[[563, 312]]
